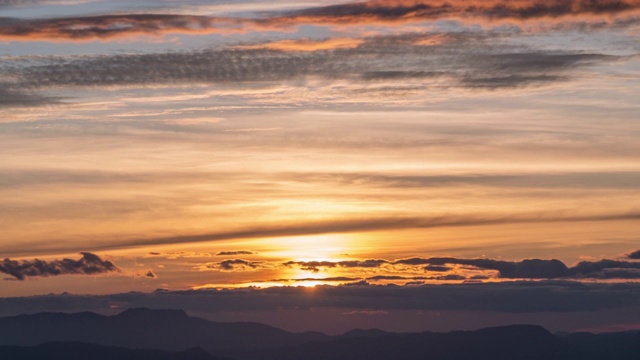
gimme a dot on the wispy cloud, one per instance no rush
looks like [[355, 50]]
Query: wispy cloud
[[448, 63], [89, 264], [336, 226], [316, 265]]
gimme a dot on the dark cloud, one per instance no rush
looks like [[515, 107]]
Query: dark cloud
[[150, 274], [539, 269], [89, 264], [505, 297], [525, 269], [10, 97], [416, 10], [617, 274], [234, 253], [238, 264], [596, 268], [634, 255], [438, 268]]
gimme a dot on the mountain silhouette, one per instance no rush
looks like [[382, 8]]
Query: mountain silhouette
[[82, 351], [172, 334], [171, 330], [513, 342]]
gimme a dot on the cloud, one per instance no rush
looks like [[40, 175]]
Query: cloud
[[236, 265], [307, 44], [10, 97], [390, 59], [337, 226], [597, 268], [504, 297], [634, 255], [234, 253], [89, 264], [325, 279], [151, 274], [402, 11], [12, 3], [587, 180], [437, 268], [113, 26], [451, 277], [316, 265], [524, 269]]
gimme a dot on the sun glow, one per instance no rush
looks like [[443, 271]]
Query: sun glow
[[331, 247]]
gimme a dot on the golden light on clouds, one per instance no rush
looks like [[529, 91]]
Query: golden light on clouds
[[307, 45]]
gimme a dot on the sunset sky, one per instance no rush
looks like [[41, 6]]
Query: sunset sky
[[323, 164]]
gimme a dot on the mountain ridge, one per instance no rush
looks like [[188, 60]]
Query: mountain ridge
[[177, 334]]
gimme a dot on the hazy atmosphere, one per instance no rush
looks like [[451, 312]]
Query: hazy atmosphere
[[323, 165]]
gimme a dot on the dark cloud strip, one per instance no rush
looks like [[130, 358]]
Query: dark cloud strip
[[505, 297], [586, 180], [119, 25], [230, 265], [407, 10], [234, 253], [339, 226], [10, 97], [525, 269], [89, 264], [376, 59]]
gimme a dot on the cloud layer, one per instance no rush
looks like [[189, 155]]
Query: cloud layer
[[509, 297]]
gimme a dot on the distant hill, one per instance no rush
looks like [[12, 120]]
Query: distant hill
[[81, 351], [171, 330], [520, 342], [174, 335]]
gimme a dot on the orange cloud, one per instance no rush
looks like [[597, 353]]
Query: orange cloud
[[308, 45]]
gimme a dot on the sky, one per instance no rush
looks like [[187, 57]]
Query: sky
[[323, 164]]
